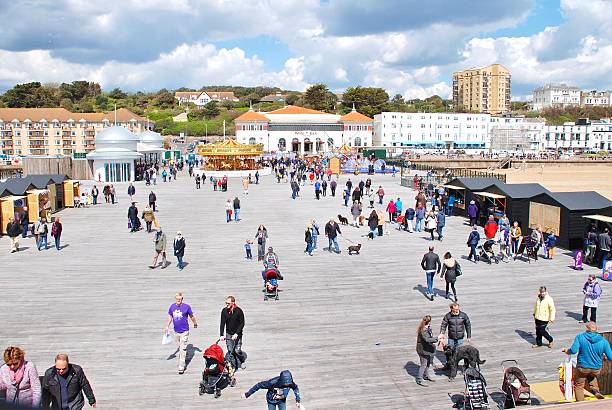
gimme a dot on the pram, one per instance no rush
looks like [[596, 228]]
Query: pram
[[271, 276], [476, 396], [528, 246], [515, 385], [486, 252], [218, 374]]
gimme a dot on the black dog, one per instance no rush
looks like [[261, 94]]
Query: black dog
[[343, 220], [469, 354], [354, 248]]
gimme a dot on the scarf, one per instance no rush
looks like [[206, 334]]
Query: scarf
[[17, 376], [230, 310]]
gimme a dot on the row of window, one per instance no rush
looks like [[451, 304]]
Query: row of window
[[71, 124], [439, 126]]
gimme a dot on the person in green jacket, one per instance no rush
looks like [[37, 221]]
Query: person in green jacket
[[590, 346]]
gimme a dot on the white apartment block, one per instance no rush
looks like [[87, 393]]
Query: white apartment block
[[595, 98], [56, 131], [431, 130], [555, 95], [584, 135], [601, 134]]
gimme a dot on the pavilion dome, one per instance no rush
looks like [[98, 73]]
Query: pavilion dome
[[116, 135], [151, 137]]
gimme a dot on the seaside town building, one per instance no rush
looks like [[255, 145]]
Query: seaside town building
[[302, 130], [57, 131], [201, 98], [484, 89]]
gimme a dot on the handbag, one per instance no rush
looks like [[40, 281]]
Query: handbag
[[458, 271], [166, 338]]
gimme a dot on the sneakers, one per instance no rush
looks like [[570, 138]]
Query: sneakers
[[420, 383], [535, 346], [181, 371], [551, 344], [429, 379], [598, 394]]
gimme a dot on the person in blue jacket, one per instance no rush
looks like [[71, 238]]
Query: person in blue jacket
[[590, 347], [278, 390]]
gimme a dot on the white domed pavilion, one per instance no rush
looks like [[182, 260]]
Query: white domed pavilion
[[115, 154]]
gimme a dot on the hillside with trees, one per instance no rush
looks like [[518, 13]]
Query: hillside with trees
[[160, 106]]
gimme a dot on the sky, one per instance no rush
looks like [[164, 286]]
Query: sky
[[408, 47]]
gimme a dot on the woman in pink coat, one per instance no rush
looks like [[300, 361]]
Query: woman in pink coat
[[391, 209], [19, 379]]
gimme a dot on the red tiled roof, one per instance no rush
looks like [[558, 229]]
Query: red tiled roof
[[293, 109], [354, 116], [252, 116]]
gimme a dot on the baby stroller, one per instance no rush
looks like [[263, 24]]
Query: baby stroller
[[528, 246], [218, 373], [271, 278], [476, 396], [486, 252], [515, 385]]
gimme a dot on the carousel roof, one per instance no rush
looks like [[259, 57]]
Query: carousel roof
[[230, 148], [345, 149]]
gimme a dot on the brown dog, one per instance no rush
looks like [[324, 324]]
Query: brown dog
[[362, 220], [354, 249]]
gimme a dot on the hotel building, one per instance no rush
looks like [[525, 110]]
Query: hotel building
[[57, 131], [485, 89]]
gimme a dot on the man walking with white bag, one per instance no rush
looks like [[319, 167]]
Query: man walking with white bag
[[178, 315]]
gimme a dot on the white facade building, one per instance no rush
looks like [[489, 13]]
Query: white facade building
[[432, 130], [201, 98], [555, 95], [595, 98], [601, 134], [302, 130]]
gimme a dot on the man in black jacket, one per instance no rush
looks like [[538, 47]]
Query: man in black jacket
[[331, 231], [152, 199], [63, 386], [458, 324], [13, 230], [230, 330], [431, 265], [133, 216]]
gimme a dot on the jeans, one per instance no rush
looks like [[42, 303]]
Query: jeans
[[334, 242], [182, 339], [347, 196], [57, 242], [314, 241], [249, 254], [293, 193], [373, 233], [237, 214], [95, 200], [541, 331], [424, 367], [180, 262], [380, 199], [42, 239], [24, 230], [280, 406], [234, 344], [430, 279], [584, 375], [228, 216], [515, 245], [585, 313], [449, 210], [309, 248], [439, 230], [455, 342], [473, 253], [419, 225]]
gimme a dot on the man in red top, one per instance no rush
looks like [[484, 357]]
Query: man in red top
[[490, 228]]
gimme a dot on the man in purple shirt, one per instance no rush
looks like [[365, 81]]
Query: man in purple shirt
[[178, 315]]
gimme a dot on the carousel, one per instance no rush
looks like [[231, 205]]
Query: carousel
[[230, 158]]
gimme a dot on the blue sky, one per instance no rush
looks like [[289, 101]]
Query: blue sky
[[409, 47]]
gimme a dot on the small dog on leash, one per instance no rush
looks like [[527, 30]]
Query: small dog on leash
[[362, 220], [354, 249], [343, 220]]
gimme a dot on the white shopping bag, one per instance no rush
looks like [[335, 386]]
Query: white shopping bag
[[167, 338]]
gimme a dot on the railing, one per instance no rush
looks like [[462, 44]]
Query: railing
[[439, 172]]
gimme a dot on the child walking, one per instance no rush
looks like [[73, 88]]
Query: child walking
[[247, 248]]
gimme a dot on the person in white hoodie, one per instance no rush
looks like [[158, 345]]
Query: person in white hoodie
[[592, 294]]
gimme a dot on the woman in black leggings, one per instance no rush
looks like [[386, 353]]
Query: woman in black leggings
[[450, 271]]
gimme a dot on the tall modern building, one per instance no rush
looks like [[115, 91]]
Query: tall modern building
[[484, 89]]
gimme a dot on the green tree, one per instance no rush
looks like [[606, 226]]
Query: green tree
[[211, 109], [117, 94], [101, 102], [23, 96], [368, 100], [318, 97], [292, 99]]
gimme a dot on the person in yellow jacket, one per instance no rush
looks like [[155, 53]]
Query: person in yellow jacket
[[543, 313]]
